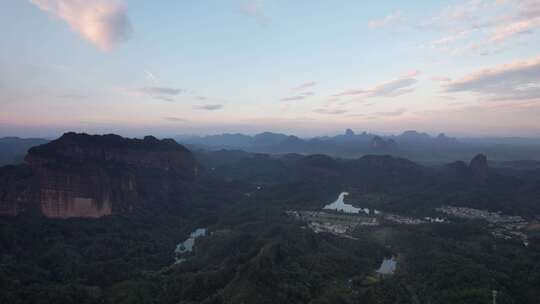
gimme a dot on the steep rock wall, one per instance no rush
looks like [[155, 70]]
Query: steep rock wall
[[80, 175]]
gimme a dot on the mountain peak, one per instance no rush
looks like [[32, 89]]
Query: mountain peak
[[479, 166]]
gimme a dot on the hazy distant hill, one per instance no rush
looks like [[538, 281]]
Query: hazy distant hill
[[410, 144], [13, 149]]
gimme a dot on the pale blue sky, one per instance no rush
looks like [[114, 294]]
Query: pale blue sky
[[302, 67]]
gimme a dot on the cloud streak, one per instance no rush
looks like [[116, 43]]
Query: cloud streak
[[392, 88], [519, 80], [103, 23], [208, 107], [300, 96], [330, 111], [161, 93], [352, 93], [305, 85], [483, 26], [397, 112], [174, 119], [293, 98]]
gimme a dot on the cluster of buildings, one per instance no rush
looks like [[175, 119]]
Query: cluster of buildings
[[343, 222], [335, 223], [398, 219], [502, 226], [515, 222]]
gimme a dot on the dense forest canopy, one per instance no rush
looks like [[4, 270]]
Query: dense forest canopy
[[267, 240]]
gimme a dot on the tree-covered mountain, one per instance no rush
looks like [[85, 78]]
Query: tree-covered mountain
[[256, 247]]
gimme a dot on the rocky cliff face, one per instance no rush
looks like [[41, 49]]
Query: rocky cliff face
[[80, 175]]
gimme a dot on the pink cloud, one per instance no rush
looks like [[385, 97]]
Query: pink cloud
[[103, 23], [484, 26], [507, 31]]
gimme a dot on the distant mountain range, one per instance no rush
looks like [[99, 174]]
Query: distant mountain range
[[410, 144], [417, 146], [13, 149]]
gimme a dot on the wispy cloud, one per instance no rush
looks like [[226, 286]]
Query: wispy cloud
[[162, 93], [518, 80], [356, 115], [386, 20], [103, 23], [253, 9], [208, 107], [330, 111], [507, 31], [391, 88], [483, 26], [300, 96], [397, 112], [174, 119], [293, 98], [351, 93], [305, 85]]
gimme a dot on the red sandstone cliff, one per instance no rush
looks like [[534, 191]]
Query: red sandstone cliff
[[80, 175]]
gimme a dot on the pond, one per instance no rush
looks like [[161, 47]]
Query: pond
[[340, 205], [388, 266], [187, 245]]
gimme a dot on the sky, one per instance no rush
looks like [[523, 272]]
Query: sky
[[305, 67]]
